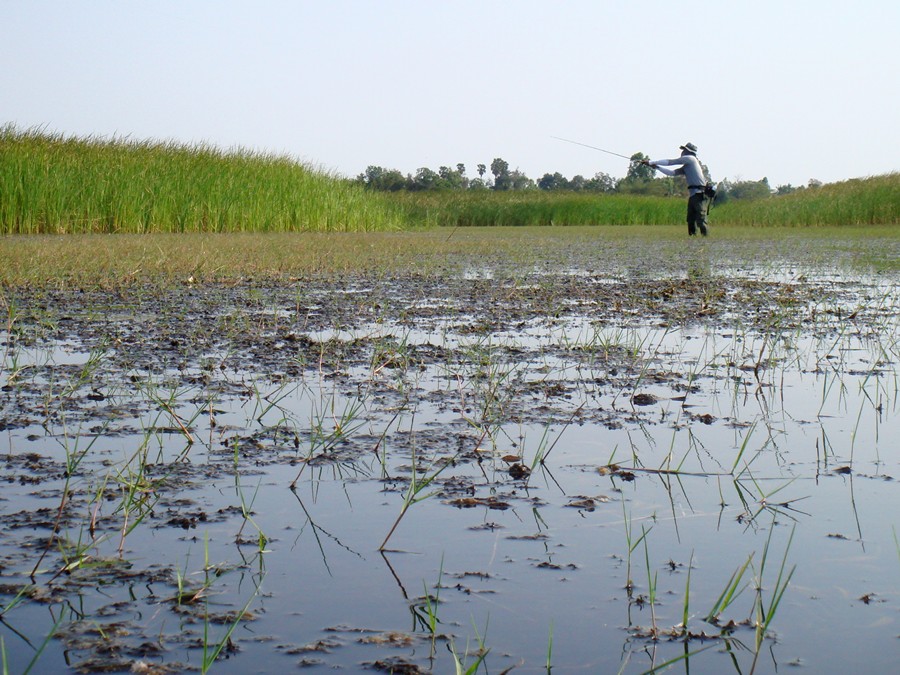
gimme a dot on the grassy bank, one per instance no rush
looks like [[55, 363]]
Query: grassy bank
[[50, 184], [862, 201]]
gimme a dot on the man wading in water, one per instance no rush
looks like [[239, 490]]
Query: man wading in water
[[701, 192]]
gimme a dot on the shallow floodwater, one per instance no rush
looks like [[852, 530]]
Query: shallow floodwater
[[675, 465]]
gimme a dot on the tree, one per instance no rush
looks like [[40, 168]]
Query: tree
[[425, 179], [641, 179], [601, 182], [785, 189], [748, 189], [453, 180], [638, 172], [379, 178], [500, 169], [519, 181], [553, 181]]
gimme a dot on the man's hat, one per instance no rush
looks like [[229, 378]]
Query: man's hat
[[690, 147]]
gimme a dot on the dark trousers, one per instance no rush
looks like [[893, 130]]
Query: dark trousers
[[698, 206]]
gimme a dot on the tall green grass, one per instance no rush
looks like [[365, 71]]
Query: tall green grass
[[866, 201], [536, 207], [55, 184], [51, 184], [860, 201]]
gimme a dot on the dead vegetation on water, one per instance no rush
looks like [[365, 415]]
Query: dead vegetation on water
[[123, 260]]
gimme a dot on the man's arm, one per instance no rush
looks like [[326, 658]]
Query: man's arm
[[661, 164], [664, 169], [678, 161], [667, 171]]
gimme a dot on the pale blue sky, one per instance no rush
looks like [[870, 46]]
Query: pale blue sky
[[788, 89]]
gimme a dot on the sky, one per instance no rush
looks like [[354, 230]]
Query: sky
[[790, 90]]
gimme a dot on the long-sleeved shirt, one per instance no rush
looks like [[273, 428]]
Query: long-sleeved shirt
[[688, 166]]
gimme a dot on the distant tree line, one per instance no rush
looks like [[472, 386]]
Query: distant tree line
[[639, 179]]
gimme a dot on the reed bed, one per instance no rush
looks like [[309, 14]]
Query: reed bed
[[536, 207], [861, 201], [864, 201], [51, 184]]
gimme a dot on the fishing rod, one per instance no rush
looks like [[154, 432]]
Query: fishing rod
[[592, 147]]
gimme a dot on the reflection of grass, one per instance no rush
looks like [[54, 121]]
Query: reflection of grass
[[753, 574], [419, 481]]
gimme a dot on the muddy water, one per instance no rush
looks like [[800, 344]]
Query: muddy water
[[587, 459]]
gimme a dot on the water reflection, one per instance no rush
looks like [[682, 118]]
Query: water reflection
[[711, 493]]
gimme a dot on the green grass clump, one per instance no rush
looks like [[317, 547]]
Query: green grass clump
[[51, 184]]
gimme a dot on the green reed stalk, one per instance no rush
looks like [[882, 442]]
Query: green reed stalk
[[459, 664], [730, 593], [632, 544], [431, 604], [536, 207], [417, 484], [765, 615], [743, 447], [651, 584], [896, 541], [211, 652], [685, 615]]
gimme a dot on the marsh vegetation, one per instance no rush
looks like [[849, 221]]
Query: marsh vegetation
[[53, 184]]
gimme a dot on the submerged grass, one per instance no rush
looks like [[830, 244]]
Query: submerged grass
[[126, 259], [489, 373]]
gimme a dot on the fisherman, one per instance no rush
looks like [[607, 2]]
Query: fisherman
[[701, 192]]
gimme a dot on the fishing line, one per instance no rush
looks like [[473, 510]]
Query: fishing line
[[592, 147]]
